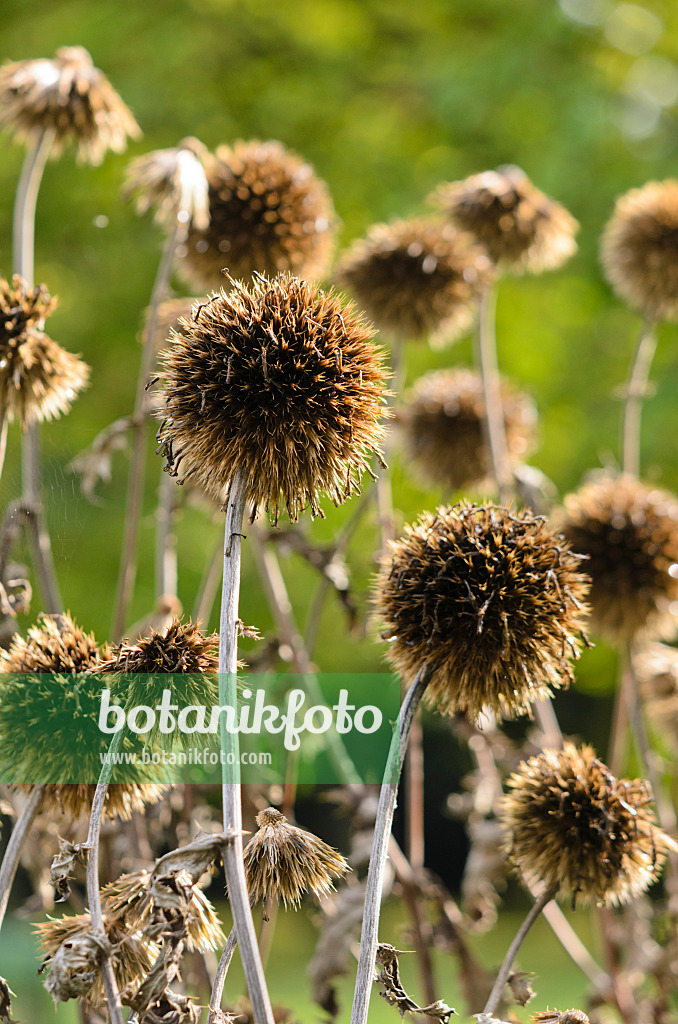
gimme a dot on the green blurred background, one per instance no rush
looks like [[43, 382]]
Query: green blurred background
[[386, 98]]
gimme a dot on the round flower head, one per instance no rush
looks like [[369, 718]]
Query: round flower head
[[523, 230], [490, 601], [639, 249], [443, 427], [280, 382], [38, 378], [268, 213], [570, 823], [283, 861], [417, 280], [174, 182], [69, 97], [629, 532]]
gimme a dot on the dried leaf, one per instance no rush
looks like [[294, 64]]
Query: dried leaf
[[73, 968], [395, 994], [5, 1002], [63, 866], [95, 463], [196, 857], [521, 988]]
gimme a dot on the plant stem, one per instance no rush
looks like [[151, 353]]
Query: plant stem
[[10, 861], [384, 485], [382, 835], [495, 426], [498, 987], [636, 391], [23, 222], [165, 540], [232, 812], [220, 976]]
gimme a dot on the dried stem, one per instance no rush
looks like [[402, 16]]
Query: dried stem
[[165, 539], [383, 485], [10, 861], [382, 834], [495, 426], [220, 976], [23, 222], [412, 896], [636, 391]]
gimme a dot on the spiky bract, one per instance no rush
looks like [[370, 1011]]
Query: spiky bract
[[38, 378], [523, 230], [268, 213], [280, 382], [569, 822], [68, 96], [418, 280], [284, 862], [629, 532], [174, 182], [443, 427], [490, 601], [639, 249]]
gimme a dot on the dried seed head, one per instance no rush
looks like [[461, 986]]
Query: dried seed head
[[569, 822], [443, 427], [280, 382], [523, 230], [69, 97], [557, 1017], [416, 279], [55, 644], [629, 531], [490, 600], [174, 182], [283, 861], [38, 378], [639, 249], [268, 213]]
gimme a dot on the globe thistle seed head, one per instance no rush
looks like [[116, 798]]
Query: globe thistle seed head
[[54, 644], [280, 382], [174, 182], [123, 799], [417, 279], [570, 823], [490, 600], [629, 532], [38, 378], [268, 212], [68, 96], [283, 861], [443, 427], [560, 1017], [639, 249], [523, 230]]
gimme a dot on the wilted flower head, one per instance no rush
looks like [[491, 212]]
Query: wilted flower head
[[174, 182], [443, 427], [639, 249], [54, 644], [38, 378], [68, 96], [522, 229], [417, 279], [283, 861], [570, 823], [490, 600], [279, 381], [629, 531], [268, 213]]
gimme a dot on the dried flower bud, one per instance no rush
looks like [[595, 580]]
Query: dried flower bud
[[522, 229], [283, 861], [490, 600], [570, 823], [280, 382], [69, 97], [417, 280], [174, 182]]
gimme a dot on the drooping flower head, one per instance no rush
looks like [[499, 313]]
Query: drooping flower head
[[523, 230], [418, 280], [490, 600], [279, 381], [569, 822], [174, 182], [68, 96]]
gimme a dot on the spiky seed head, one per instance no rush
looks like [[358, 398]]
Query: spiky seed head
[[443, 427], [639, 249], [418, 280], [629, 532], [490, 600], [68, 96], [523, 230], [268, 213], [560, 1017], [54, 644], [279, 381], [174, 182], [38, 378], [569, 822], [283, 861]]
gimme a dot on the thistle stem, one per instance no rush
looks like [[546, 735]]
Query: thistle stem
[[505, 969], [382, 835], [165, 540], [495, 426], [23, 221], [220, 976], [636, 391], [10, 861]]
